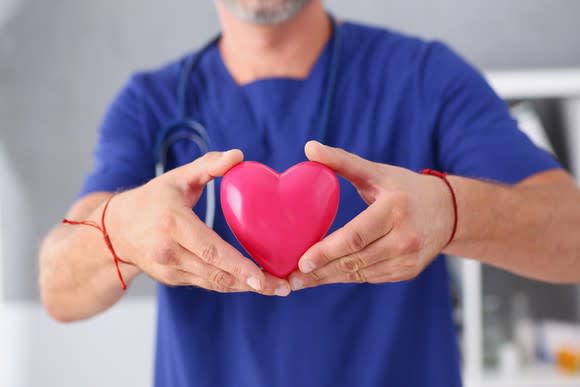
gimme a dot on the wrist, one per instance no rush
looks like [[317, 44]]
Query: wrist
[[479, 217], [116, 221], [100, 223], [446, 201], [457, 197]]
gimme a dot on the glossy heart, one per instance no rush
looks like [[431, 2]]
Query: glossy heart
[[277, 217]]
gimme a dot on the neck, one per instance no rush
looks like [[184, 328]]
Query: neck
[[290, 49]]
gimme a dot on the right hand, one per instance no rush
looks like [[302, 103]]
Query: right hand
[[154, 228]]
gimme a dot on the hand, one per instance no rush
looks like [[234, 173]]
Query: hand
[[154, 227], [406, 225]]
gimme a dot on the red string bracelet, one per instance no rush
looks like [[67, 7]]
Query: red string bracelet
[[443, 176], [103, 229]]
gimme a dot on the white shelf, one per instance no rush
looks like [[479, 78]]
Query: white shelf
[[537, 376], [520, 84]]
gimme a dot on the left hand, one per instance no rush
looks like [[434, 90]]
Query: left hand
[[406, 225]]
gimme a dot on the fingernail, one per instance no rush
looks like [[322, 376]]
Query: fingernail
[[254, 283], [307, 266], [297, 284], [282, 291]]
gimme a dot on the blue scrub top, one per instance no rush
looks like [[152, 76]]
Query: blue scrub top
[[399, 100]]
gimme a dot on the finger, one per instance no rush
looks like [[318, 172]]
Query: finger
[[399, 269], [175, 277], [204, 284], [171, 276], [384, 248], [299, 281], [204, 169], [274, 286], [215, 278], [212, 279], [352, 167], [220, 280], [390, 270], [371, 224], [195, 236], [180, 258], [179, 267], [397, 247]]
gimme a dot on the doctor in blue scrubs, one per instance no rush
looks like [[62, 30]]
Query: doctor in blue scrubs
[[370, 303]]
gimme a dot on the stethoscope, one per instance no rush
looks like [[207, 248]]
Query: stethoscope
[[185, 127]]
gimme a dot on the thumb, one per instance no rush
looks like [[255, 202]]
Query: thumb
[[211, 165], [350, 166]]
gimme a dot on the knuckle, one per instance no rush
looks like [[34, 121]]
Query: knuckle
[[350, 264], [166, 223], [401, 200], [355, 241], [164, 254], [320, 256], [220, 280], [401, 205], [237, 271], [209, 156], [417, 270], [314, 277], [362, 276], [323, 257], [210, 254], [407, 272], [169, 276], [410, 243], [356, 276], [407, 275]]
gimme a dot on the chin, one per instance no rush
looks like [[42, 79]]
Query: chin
[[265, 11]]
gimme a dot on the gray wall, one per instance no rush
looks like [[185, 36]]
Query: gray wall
[[62, 60]]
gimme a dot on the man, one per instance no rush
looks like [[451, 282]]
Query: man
[[400, 105]]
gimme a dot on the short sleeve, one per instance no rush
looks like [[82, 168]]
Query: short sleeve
[[475, 133], [123, 159]]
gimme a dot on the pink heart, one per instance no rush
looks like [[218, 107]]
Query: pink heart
[[277, 217]]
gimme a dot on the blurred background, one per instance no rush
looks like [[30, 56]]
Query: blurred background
[[62, 61]]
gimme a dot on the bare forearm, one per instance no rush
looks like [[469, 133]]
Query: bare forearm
[[528, 229], [77, 273], [153, 228]]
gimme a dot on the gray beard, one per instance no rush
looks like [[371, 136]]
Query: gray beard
[[267, 11]]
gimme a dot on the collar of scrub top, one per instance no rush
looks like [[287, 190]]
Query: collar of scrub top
[[185, 127]]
